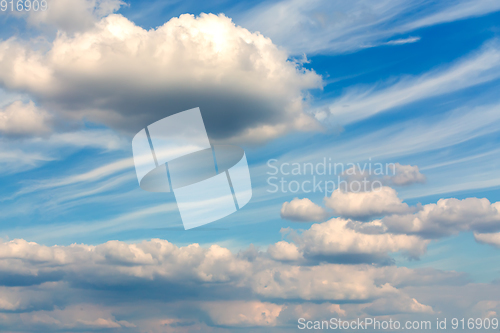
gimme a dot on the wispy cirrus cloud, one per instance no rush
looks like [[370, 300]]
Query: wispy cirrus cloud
[[408, 137], [458, 10], [25, 153], [336, 27], [402, 41], [358, 103], [16, 160], [93, 175]]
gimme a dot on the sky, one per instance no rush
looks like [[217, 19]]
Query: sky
[[402, 95]]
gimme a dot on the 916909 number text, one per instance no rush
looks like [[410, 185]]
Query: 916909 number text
[[23, 5]]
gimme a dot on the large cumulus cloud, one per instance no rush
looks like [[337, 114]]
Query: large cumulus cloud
[[126, 77]]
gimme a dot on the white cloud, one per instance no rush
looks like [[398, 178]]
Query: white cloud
[[448, 217], [326, 282], [302, 210], [24, 119], [243, 83], [491, 239], [402, 41], [335, 238], [406, 175], [365, 205], [444, 218], [284, 251]]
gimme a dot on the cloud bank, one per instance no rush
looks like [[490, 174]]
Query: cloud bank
[[82, 287]]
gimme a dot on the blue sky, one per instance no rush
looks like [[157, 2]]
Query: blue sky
[[409, 82]]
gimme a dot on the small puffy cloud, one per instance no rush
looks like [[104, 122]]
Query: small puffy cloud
[[239, 313], [405, 175], [302, 210], [284, 251], [336, 240], [365, 205], [24, 119], [448, 217], [491, 239], [121, 75], [395, 174]]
